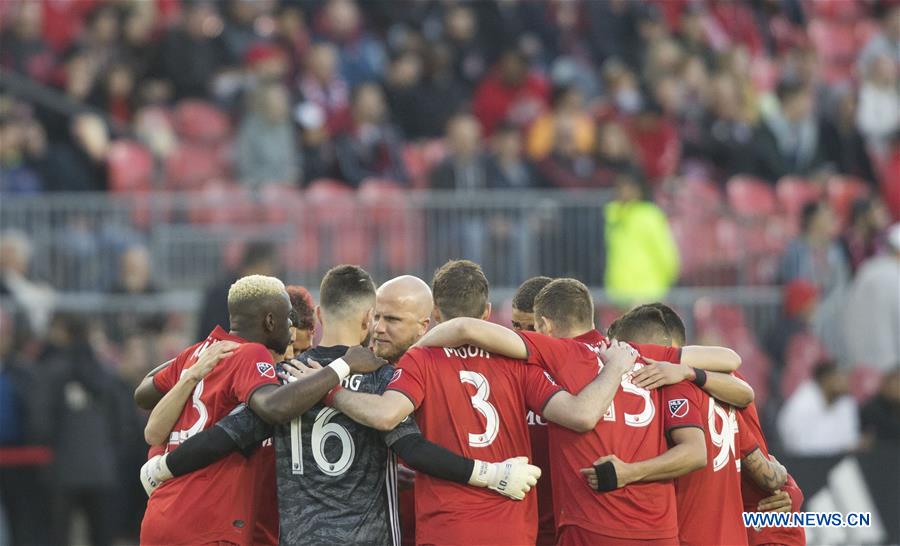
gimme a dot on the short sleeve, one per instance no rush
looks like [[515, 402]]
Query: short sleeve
[[253, 368], [166, 378], [245, 428], [406, 427], [661, 353], [682, 406], [546, 351], [746, 440], [409, 377], [539, 388]]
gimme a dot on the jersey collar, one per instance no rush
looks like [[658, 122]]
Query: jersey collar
[[592, 336], [220, 334]]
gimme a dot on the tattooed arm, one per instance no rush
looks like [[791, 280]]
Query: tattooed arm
[[768, 474]]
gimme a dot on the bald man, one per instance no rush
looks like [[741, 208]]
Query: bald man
[[310, 475]]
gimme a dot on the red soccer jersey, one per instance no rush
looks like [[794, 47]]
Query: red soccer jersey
[[631, 429], [709, 499], [540, 457], [752, 493], [473, 403], [219, 502]]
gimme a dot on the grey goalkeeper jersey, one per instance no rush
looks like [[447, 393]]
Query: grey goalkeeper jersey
[[337, 479]]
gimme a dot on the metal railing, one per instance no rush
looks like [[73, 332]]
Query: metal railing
[[194, 237]]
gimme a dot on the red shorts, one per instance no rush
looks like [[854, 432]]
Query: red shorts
[[569, 535]]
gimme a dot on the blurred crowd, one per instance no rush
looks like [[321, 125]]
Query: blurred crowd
[[765, 128]]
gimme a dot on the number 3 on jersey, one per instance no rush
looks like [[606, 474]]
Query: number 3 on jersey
[[485, 408]]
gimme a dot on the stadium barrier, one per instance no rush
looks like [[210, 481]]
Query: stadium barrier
[[194, 236]]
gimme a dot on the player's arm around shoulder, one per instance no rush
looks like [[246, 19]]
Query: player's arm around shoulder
[[582, 412], [483, 334], [710, 358], [385, 411]]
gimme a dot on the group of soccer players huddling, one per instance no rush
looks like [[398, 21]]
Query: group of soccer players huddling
[[629, 438]]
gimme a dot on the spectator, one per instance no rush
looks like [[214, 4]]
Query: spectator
[[842, 143], [371, 148], [362, 58], [787, 141], [317, 149], [304, 329], [114, 93], [641, 255], [886, 42], [820, 419], [471, 55], [293, 36], [724, 137], [658, 147], [322, 85], [259, 259], [878, 115], [567, 102], [134, 279], [440, 96], [191, 55], [139, 50], [880, 416], [466, 164], [16, 176], [22, 45], [511, 92], [615, 153], [815, 255], [404, 94], [863, 238], [508, 167], [100, 36], [81, 164], [240, 32], [266, 149], [871, 317], [615, 30], [35, 298], [566, 167], [692, 34], [622, 88]]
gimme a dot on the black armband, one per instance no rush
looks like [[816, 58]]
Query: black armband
[[699, 377], [606, 477], [200, 450], [432, 459]]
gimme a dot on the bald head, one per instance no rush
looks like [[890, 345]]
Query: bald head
[[402, 313]]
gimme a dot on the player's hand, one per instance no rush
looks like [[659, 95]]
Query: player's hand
[[512, 478], [154, 473], [622, 469], [209, 358], [406, 477], [295, 369], [619, 355], [779, 502], [362, 360], [659, 374]]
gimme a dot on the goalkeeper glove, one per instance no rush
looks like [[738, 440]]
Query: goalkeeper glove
[[154, 473], [511, 478]]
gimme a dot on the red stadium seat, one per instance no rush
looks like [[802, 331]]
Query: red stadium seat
[[281, 203], [803, 352], [837, 46], [794, 193], [750, 197], [658, 147], [708, 253], [342, 231], [397, 228], [890, 184], [416, 165], [200, 121], [191, 166], [837, 10], [223, 203], [698, 197], [842, 192], [130, 167]]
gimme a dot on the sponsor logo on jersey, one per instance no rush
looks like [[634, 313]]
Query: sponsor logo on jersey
[[678, 407], [265, 369]]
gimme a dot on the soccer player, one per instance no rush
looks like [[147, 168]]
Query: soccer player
[[755, 498], [732, 450], [221, 503], [474, 402], [336, 478], [304, 328], [642, 513], [523, 319]]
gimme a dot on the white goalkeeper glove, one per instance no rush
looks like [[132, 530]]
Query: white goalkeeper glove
[[512, 478], [154, 473]]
